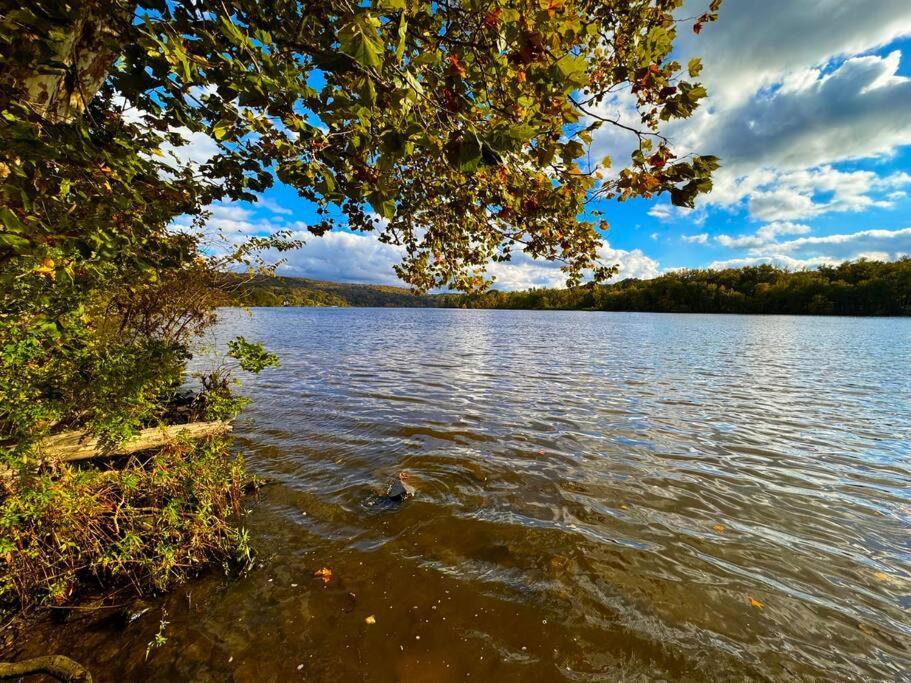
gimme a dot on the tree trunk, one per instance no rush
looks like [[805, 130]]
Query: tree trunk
[[60, 54], [60, 667], [70, 446]]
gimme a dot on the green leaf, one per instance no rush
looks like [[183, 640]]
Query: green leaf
[[414, 82], [10, 220], [694, 68], [220, 130], [572, 150], [361, 44], [384, 206], [697, 93], [403, 34], [326, 184], [14, 241], [231, 30], [464, 152], [572, 69]]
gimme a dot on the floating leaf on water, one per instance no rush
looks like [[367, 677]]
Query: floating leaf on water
[[325, 574], [720, 528], [755, 603], [370, 620], [881, 576]]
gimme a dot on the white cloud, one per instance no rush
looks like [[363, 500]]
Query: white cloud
[[794, 91], [199, 148], [812, 251], [856, 111], [662, 212], [633, 263], [795, 195], [233, 223], [765, 235], [701, 238], [758, 44], [790, 83], [611, 141], [778, 149], [668, 213], [273, 206], [350, 257], [778, 260], [524, 272], [343, 257], [849, 245], [360, 257]]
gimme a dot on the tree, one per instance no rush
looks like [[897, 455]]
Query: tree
[[456, 129]]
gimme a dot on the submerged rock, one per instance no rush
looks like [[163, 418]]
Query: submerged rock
[[400, 489]]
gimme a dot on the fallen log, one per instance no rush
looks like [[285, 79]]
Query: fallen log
[[78, 445], [60, 667]]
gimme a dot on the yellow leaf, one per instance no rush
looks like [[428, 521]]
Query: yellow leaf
[[755, 603], [720, 528], [881, 576], [370, 620], [46, 267], [325, 574]]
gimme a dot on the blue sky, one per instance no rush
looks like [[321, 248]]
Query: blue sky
[[810, 112]]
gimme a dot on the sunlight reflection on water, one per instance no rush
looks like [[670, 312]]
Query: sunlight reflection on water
[[600, 496]]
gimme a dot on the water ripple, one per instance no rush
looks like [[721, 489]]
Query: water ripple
[[600, 495]]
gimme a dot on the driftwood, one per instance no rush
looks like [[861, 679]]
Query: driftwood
[[69, 446], [60, 667]]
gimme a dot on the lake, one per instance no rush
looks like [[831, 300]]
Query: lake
[[600, 497]]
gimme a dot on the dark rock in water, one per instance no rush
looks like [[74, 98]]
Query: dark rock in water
[[400, 489]]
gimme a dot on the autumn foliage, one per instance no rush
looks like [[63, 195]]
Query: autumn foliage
[[460, 131]]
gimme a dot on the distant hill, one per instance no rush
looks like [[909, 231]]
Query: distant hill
[[297, 291], [852, 288]]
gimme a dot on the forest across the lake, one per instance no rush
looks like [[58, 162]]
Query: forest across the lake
[[852, 288]]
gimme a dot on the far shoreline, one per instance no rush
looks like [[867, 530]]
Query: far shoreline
[[580, 310]]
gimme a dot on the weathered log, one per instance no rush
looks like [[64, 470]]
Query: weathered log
[[78, 445], [60, 667]]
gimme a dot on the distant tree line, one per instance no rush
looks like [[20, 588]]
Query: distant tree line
[[293, 291], [862, 287]]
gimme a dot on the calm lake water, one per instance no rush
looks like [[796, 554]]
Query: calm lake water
[[601, 497]]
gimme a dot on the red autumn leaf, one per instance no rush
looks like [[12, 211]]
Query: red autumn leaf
[[493, 19], [456, 64]]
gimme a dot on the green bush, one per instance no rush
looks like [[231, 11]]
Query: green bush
[[145, 526]]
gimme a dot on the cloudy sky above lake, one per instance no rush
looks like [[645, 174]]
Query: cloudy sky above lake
[[810, 112]]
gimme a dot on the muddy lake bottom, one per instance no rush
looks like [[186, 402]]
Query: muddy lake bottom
[[600, 497]]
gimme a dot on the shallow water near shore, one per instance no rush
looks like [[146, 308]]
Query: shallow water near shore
[[599, 497]]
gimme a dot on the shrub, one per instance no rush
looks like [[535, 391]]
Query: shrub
[[145, 526]]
